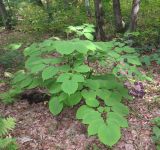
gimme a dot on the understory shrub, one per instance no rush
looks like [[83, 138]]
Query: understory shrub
[[11, 56], [66, 70]]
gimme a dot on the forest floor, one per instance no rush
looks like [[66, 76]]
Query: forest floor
[[37, 129]]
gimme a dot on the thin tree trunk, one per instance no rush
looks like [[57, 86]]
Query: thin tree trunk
[[118, 16], [87, 5], [49, 11], [65, 4], [134, 15], [5, 17], [99, 14]]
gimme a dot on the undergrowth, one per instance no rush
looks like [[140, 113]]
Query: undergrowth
[[64, 69]]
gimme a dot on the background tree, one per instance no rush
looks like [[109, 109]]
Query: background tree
[[134, 15], [5, 16], [88, 10], [99, 14], [118, 17]]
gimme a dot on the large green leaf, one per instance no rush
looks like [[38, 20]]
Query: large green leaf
[[88, 94], [55, 106], [52, 61], [114, 54], [37, 68], [113, 99], [92, 84], [120, 109], [54, 88], [33, 61], [26, 82], [89, 36], [103, 94], [69, 86], [81, 48], [74, 99], [35, 83], [63, 77], [90, 98], [91, 116], [109, 134], [64, 47], [29, 50], [132, 59], [82, 68], [19, 76], [113, 117], [49, 72], [94, 126], [77, 77], [84, 109]]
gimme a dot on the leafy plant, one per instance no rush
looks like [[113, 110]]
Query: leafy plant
[[85, 30], [5, 126], [156, 131], [147, 59], [11, 56], [70, 79]]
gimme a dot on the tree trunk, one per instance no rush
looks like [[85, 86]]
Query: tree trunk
[[65, 4], [134, 14], [118, 17], [87, 5], [5, 17], [99, 14], [49, 10]]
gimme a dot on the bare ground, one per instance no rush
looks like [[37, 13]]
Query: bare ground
[[38, 129]]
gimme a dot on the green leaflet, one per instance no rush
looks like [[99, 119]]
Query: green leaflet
[[94, 126], [54, 88], [26, 82], [82, 68], [64, 47], [113, 117], [6, 125], [90, 98], [109, 134], [82, 111], [91, 116], [63, 77], [37, 68], [121, 109], [35, 83], [52, 61], [89, 36], [103, 94], [19, 76], [69, 86], [55, 106], [49, 72], [70, 82], [113, 99], [73, 99], [92, 84], [77, 77], [69, 76]]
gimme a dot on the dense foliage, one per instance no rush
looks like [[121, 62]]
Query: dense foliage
[[64, 68], [93, 67]]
